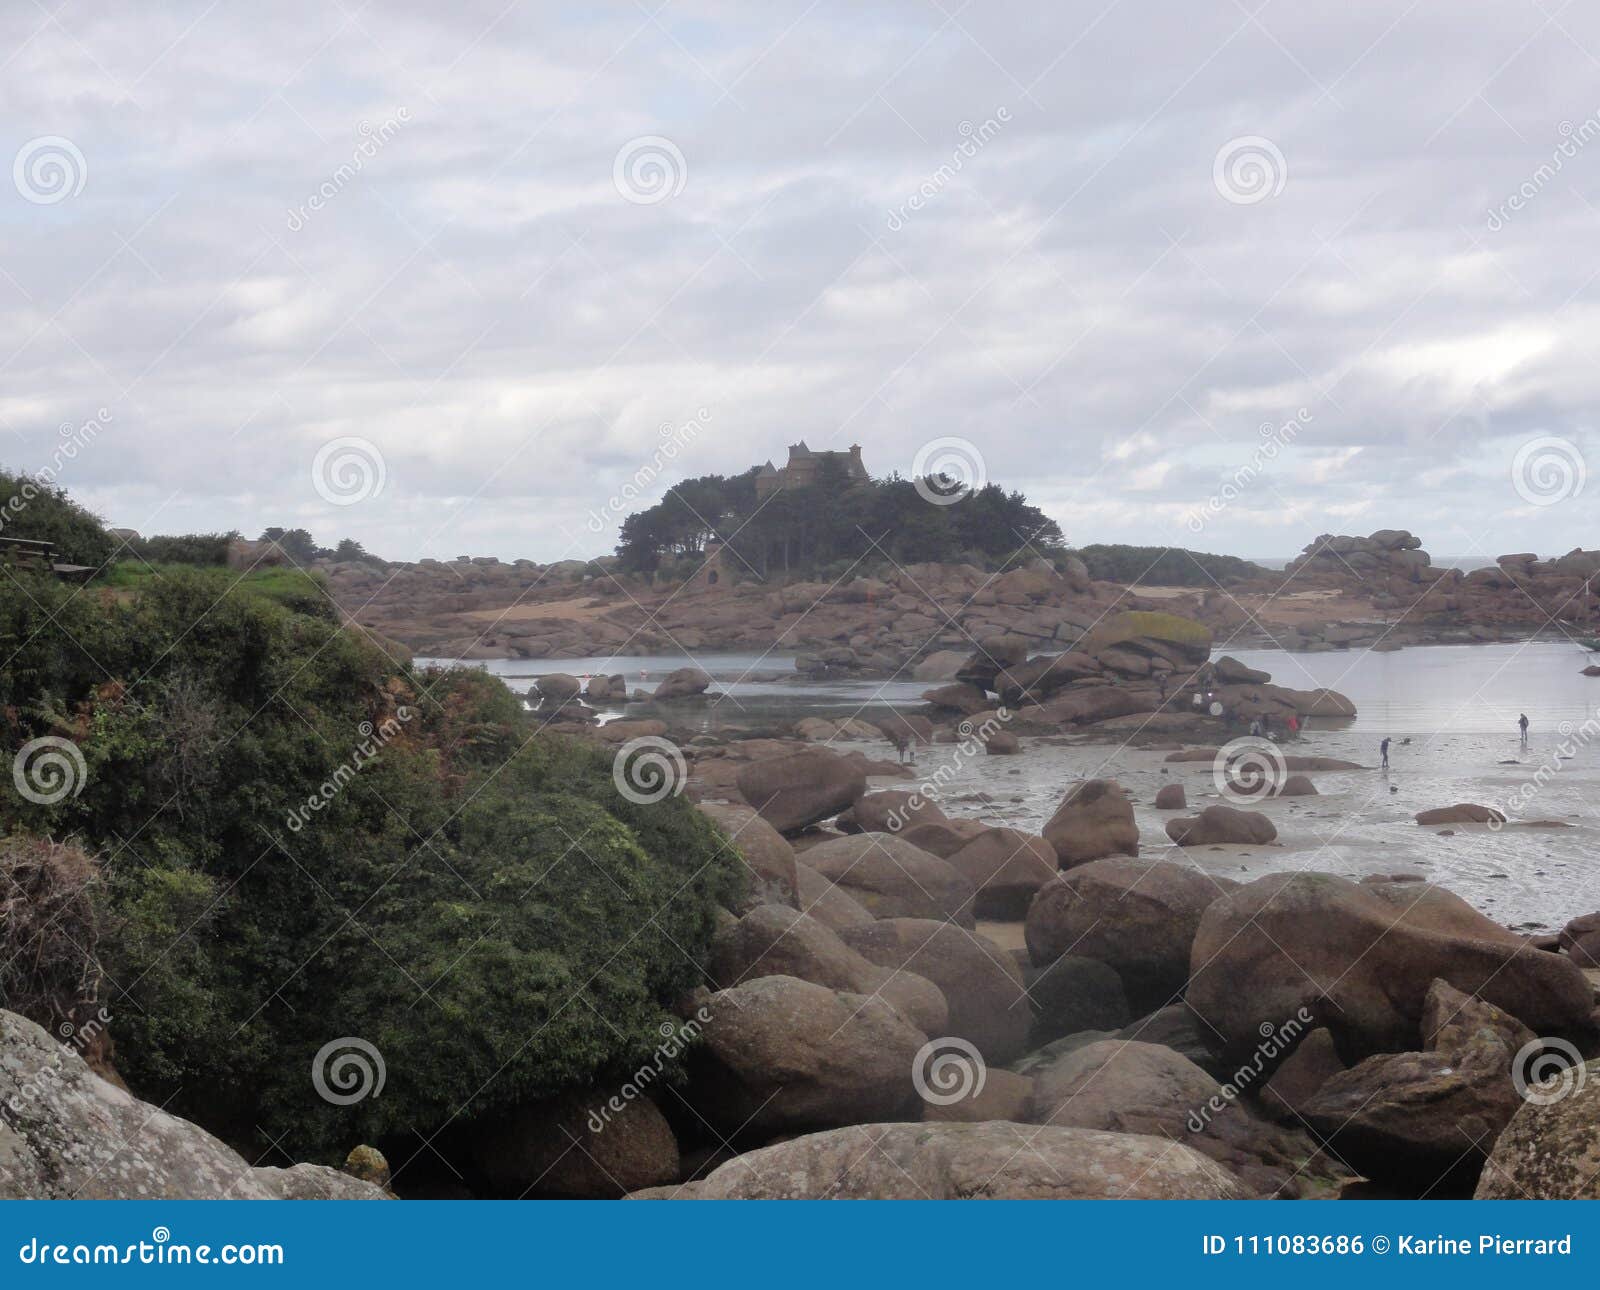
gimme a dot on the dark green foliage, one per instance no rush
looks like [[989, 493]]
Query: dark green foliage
[[481, 905], [804, 530], [186, 548], [297, 544], [32, 508], [1160, 566]]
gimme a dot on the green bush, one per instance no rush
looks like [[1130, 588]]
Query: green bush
[[32, 508], [481, 905], [1164, 566], [187, 548]]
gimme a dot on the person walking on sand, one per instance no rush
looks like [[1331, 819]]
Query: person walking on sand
[[1383, 750], [1522, 725]]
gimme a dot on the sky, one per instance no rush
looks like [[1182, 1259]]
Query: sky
[[446, 278]]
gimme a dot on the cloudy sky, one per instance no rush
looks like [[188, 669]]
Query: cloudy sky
[[1215, 274]]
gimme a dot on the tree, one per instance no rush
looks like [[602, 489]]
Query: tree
[[297, 544]]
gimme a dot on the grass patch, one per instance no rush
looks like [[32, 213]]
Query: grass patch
[[295, 588]]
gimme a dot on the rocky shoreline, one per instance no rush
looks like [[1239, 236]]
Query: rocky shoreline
[[1107, 1023], [907, 1002], [1343, 592]]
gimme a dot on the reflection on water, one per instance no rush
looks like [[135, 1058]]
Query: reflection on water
[[1457, 705], [1467, 689]]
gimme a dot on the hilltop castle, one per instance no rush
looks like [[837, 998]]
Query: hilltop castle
[[805, 466]]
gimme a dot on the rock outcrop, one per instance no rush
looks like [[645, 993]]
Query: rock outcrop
[[1094, 820], [1138, 916], [66, 1134], [997, 1160], [1361, 958], [795, 791]]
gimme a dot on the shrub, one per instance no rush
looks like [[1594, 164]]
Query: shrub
[[187, 548], [33, 508], [481, 905], [1164, 566]]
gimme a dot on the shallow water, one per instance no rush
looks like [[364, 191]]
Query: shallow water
[[1457, 705]]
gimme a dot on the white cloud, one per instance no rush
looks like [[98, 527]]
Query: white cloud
[[1079, 299]]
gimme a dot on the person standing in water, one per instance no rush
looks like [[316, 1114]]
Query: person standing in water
[[1522, 725], [1383, 750]]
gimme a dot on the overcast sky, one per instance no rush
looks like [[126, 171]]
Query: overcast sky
[[501, 246]]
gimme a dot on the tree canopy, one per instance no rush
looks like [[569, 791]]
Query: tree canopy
[[834, 519]]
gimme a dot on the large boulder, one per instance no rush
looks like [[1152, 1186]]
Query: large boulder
[[1361, 958], [1222, 826], [1581, 939], [1124, 1086], [1426, 1120], [830, 904], [1171, 797], [1138, 916], [944, 837], [773, 940], [996, 1160], [893, 879], [1312, 1064], [1006, 867], [891, 810], [684, 683], [1094, 820], [1071, 995], [65, 1133], [766, 854], [1167, 635], [800, 789], [586, 1146], [1461, 813], [1551, 1148], [1039, 678], [1001, 1095], [959, 697], [556, 688], [980, 981], [782, 1054], [1230, 671]]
